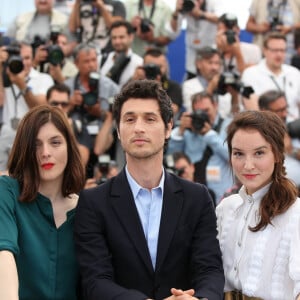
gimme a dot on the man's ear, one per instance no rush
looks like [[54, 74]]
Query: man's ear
[[169, 129]]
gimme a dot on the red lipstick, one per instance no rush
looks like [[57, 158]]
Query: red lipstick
[[249, 176], [47, 166]]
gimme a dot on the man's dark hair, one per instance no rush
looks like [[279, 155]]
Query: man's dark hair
[[273, 35], [269, 97], [144, 89], [180, 155], [206, 52], [59, 87], [83, 47], [202, 95], [155, 52], [122, 23]]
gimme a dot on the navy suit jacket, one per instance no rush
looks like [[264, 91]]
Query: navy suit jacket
[[112, 250]]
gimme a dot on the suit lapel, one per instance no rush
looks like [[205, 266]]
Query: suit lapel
[[171, 210], [125, 209]]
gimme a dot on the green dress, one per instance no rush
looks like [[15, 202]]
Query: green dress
[[44, 254]]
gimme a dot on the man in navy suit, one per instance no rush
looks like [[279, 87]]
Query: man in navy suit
[[147, 234]]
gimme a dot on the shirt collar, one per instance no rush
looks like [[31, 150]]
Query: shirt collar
[[135, 187], [257, 196]]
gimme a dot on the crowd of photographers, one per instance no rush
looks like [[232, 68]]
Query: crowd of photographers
[[85, 54]]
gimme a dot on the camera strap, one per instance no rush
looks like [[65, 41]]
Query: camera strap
[[142, 9], [200, 166], [281, 3], [230, 65], [280, 7]]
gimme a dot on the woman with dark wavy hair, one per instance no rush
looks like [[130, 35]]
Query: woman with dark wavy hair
[[259, 228], [37, 206]]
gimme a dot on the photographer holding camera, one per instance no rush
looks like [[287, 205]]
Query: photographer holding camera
[[208, 65], [201, 17], [121, 63], [150, 19], [275, 101], [201, 136], [23, 87], [156, 67], [52, 56], [236, 55], [272, 73], [90, 91], [270, 15], [37, 23], [90, 21]]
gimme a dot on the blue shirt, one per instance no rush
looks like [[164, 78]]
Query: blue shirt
[[218, 173], [149, 206]]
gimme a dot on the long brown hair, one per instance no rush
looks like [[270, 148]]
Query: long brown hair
[[22, 163], [282, 192]]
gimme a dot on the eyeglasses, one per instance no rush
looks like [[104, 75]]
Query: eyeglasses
[[275, 50], [280, 110], [58, 103]]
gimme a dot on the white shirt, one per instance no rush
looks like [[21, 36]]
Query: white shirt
[[39, 84], [135, 61], [264, 264], [193, 86], [260, 78], [197, 30]]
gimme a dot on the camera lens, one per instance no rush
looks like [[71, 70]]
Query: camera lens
[[15, 64], [188, 5], [90, 98], [151, 71], [55, 55], [199, 117]]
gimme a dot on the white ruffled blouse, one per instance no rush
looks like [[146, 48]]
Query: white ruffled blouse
[[263, 264]]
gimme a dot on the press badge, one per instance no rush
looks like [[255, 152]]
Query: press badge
[[213, 173], [14, 122]]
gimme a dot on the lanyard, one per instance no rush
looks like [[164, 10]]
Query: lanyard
[[142, 9], [277, 85], [16, 97]]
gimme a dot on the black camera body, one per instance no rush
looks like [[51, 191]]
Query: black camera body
[[230, 36], [187, 6], [151, 71], [120, 63], [103, 166], [146, 25], [169, 164], [54, 52], [91, 97], [274, 17], [14, 61], [293, 129], [232, 79], [199, 118], [230, 21]]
